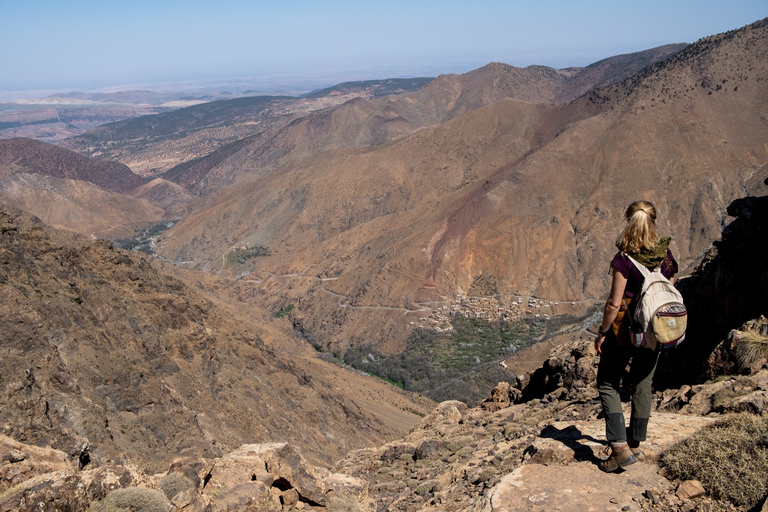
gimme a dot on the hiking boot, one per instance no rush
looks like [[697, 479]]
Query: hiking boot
[[634, 446], [636, 451], [621, 456]]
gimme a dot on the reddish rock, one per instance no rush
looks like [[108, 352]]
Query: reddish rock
[[690, 489]]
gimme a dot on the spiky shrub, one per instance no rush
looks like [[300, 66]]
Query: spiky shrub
[[750, 347], [133, 499], [729, 457]]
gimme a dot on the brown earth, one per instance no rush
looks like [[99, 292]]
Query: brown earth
[[78, 205], [94, 197]]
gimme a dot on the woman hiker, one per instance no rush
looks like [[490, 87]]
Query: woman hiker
[[639, 240]]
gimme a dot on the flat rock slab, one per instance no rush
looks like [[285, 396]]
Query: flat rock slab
[[562, 472], [580, 486], [567, 442]]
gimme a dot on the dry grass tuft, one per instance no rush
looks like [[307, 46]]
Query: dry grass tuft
[[729, 458], [174, 483], [133, 499], [750, 347]]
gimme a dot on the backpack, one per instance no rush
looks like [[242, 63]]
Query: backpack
[[660, 317]]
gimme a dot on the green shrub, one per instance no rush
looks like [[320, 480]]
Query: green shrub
[[458, 365], [133, 499], [284, 311], [243, 255], [728, 457]]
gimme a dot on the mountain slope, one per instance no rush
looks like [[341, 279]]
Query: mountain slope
[[67, 190], [31, 156], [529, 196], [108, 355], [78, 205], [153, 144], [160, 141]]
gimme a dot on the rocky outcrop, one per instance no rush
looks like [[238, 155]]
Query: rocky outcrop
[[35, 478], [266, 477], [502, 456], [744, 351], [569, 372], [727, 289]]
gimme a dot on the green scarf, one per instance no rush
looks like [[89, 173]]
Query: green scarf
[[652, 258]]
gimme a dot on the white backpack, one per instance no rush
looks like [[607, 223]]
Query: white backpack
[[660, 316]]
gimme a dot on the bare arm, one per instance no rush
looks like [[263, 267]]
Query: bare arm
[[612, 305]]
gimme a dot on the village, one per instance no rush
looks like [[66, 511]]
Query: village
[[494, 309]]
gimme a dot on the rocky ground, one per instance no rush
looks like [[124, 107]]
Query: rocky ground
[[513, 452]]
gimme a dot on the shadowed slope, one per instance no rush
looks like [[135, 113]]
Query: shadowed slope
[[27, 155]]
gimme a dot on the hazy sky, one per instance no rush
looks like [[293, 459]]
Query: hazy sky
[[81, 44]]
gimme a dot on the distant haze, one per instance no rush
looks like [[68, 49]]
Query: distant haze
[[85, 44]]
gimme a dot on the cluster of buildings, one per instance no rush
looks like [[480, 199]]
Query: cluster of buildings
[[490, 309]]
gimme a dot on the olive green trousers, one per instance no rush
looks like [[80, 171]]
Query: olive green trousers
[[638, 381]]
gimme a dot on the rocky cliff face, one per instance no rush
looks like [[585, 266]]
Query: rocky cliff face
[[727, 289]]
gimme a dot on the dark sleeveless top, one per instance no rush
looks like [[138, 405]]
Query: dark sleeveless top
[[634, 278]]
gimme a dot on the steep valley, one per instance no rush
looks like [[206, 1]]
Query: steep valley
[[525, 195], [423, 236], [365, 220]]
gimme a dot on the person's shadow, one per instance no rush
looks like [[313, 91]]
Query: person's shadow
[[570, 437]]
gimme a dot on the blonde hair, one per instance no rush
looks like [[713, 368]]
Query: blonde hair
[[640, 231]]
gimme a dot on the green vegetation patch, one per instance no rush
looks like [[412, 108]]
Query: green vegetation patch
[[728, 457], [143, 240], [284, 311], [460, 365], [242, 255]]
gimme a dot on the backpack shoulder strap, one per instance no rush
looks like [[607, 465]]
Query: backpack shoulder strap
[[643, 270]]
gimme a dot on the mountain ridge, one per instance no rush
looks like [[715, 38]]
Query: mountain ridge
[[380, 120]]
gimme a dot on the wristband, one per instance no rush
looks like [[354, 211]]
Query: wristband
[[600, 331]]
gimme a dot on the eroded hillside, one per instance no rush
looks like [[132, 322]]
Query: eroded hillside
[[106, 355]]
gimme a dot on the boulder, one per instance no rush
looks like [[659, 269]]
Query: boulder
[[447, 413], [394, 451], [499, 398], [429, 448], [690, 489], [22, 462], [69, 489], [244, 468]]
